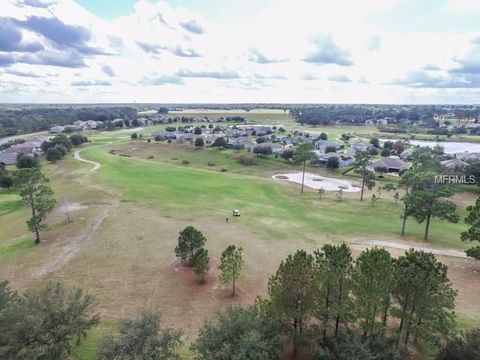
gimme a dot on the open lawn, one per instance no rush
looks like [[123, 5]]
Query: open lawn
[[120, 244]]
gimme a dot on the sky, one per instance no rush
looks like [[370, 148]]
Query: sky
[[218, 51]]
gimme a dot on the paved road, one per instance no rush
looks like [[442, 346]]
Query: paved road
[[7, 139], [402, 246]]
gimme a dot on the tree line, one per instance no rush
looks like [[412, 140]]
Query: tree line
[[324, 305]]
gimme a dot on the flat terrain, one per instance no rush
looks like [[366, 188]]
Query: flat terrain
[[126, 216]]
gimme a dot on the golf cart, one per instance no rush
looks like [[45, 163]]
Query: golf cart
[[236, 212]]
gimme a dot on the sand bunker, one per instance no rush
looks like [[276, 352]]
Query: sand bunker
[[316, 182]]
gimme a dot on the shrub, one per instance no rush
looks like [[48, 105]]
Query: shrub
[[288, 154], [385, 152], [134, 136], [223, 169], [323, 136], [159, 138], [332, 163], [25, 161], [54, 154], [78, 139], [210, 163], [185, 162], [197, 131], [6, 180], [219, 142], [373, 151], [261, 140], [262, 149], [375, 142], [247, 160], [199, 142], [170, 128], [331, 149]]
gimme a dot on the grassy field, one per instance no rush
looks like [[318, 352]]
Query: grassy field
[[120, 243]]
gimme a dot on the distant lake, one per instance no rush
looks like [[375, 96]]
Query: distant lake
[[450, 147]]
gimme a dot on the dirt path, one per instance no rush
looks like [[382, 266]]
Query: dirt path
[[404, 246], [95, 164], [71, 248]]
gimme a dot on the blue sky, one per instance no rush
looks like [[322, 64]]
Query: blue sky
[[370, 51]]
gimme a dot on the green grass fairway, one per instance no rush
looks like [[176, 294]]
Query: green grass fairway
[[268, 206]]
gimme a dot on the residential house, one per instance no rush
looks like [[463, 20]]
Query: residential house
[[357, 147], [454, 164], [56, 129], [343, 160], [392, 164], [468, 157], [8, 158], [322, 145]]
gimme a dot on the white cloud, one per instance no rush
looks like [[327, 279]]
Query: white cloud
[[159, 52], [463, 5]]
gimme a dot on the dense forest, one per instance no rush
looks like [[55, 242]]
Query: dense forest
[[329, 114]]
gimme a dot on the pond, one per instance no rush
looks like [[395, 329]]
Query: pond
[[450, 147]]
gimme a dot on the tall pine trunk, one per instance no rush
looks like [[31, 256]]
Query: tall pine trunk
[[427, 226], [303, 174], [326, 315], [34, 217], [337, 320], [363, 185], [404, 217]]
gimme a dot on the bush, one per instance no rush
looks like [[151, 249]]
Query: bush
[[78, 139], [6, 180], [239, 334], [134, 136], [466, 347], [375, 142], [219, 142], [330, 149], [261, 140], [247, 160], [385, 152], [141, 338], [323, 136], [332, 163], [262, 149], [170, 128], [185, 162], [197, 130], [62, 140], [223, 169], [54, 154], [373, 151], [288, 154], [199, 142], [25, 161], [210, 163]]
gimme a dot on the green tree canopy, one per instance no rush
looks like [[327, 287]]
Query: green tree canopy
[[189, 241], [34, 190], [141, 339], [44, 323], [291, 294], [239, 334], [230, 266], [425, 299], [201, 262]]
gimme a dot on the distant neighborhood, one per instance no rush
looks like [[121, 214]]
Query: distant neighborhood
[[232, 133]]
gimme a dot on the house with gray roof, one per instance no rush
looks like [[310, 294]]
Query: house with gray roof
[[392, 164]]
